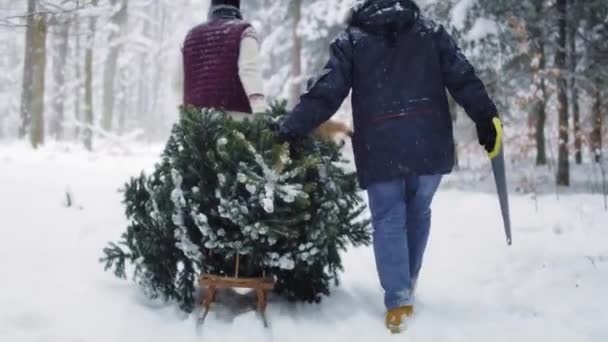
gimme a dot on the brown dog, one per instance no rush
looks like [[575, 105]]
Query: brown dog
[[334, 130]]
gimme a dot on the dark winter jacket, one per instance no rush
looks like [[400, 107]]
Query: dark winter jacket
[[398, 66], [211, 53]]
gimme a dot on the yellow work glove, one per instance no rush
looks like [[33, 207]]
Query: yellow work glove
[[490, 133]]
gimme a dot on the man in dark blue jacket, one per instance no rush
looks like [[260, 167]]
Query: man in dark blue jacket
[[398, 66]]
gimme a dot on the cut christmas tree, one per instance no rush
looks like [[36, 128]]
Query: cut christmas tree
[[225, 188]]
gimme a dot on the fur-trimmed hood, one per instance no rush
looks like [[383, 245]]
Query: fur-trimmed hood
[[383, 16]]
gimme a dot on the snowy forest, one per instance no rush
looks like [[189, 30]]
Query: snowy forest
[[89, 71], [118, 202]]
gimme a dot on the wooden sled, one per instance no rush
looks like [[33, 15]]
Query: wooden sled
[[212, 283]]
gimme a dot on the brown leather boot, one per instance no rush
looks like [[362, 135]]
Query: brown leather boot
[[395, 318]]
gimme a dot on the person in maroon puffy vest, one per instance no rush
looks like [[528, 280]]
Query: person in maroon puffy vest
[[221, 63]]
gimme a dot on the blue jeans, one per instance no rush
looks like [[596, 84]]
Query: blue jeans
[[401, 217]]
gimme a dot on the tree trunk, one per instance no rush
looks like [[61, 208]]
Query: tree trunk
[[123, 105], [540, 111], [28, 74], [36, 103], [578, 136], [296, 55], [118, 20], [78, 75], [578, 143], [539, 114], [563, 164], [88, 86], [59, 69], [154, 126], [541, 119], [125, 89], [454, 111], [596, 132], [143, 94]]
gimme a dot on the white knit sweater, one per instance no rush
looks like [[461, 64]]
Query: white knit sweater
[[250, 72]]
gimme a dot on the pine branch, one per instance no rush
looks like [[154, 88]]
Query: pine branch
[[115, 258]]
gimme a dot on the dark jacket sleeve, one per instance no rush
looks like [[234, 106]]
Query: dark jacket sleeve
[[327, 92], [461, 80]]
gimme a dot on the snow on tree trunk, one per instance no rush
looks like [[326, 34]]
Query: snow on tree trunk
[[596, 132], [77, 89], [563, 163], [59, 71], [38, 66], [144, 108], [296, 54], [88, 85], [123, 106], [157, 92], [454, 111], [540, 107], [117, 23], [28, 74], [541, 119], [573, 26]]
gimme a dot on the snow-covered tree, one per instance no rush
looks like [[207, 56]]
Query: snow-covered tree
[[292, 30]]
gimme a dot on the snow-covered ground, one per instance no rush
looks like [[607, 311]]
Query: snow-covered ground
[[550, 286]]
